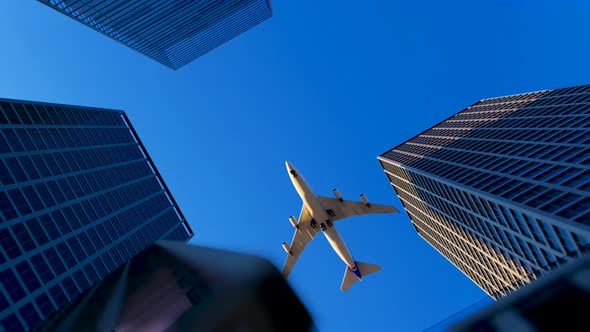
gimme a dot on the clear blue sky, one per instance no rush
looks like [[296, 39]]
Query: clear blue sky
[[327, 85]]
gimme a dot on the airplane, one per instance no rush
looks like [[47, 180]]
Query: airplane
[[319, 213]]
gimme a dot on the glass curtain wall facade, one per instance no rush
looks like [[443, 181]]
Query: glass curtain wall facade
[[79, 196], [172, 32], [502, 188]]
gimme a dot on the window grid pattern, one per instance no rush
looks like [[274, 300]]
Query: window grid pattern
[[172, 32], [79, 197], [502, 188]]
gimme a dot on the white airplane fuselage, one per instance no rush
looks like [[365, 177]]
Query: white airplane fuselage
[[321, 217]]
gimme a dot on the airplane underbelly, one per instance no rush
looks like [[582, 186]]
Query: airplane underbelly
[[320, 216], [338, 245], [316, 209]]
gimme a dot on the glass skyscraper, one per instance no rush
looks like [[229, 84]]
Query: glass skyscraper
[[502, 188], [79, 196], [172, 32]]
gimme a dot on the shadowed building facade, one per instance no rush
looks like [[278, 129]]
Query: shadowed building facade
[[79, 196], [502, 188], [172, 32]]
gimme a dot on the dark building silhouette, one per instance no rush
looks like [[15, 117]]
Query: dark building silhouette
[[174, 287], [79, 196], [172, 32], [502, 188], [556, 302]]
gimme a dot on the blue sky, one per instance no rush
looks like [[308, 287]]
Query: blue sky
[[327, 85]]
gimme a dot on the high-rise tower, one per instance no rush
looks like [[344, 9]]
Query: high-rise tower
[[79, 196], [172, 32], [502, 188]]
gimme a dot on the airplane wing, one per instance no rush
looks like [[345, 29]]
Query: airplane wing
[[346, 208], [300, 239]]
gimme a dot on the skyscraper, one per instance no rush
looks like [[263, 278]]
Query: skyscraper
[[172, 32], [79, 196], [502, 188]]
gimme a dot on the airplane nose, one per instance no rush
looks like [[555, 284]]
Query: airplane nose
[[291, 169]]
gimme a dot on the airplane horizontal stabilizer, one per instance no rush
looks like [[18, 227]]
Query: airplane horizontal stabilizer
[[350, 277], [367, 268]]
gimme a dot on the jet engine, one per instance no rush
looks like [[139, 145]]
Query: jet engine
[[287, 248], [293, 221], [365, 200], [337, 195]]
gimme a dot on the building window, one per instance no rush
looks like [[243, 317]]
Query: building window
[[81, 280], [9, 244], [66, 254], [27, 275], [12, 324], [71, 290], [42, 268], [91, 273], [6, 207], [29, 314], [12, 285], [54, 261], [3, 302], [58, 295], [19, 201]]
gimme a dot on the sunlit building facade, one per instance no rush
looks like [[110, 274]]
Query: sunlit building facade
[[502, 188], [172, 32], [79, 196]]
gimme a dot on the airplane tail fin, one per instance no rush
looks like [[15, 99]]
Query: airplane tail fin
[[363, 269]]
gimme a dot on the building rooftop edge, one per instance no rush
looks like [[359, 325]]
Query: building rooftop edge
[[481, 100], [23, 101], [423, 131], [542, 90]]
